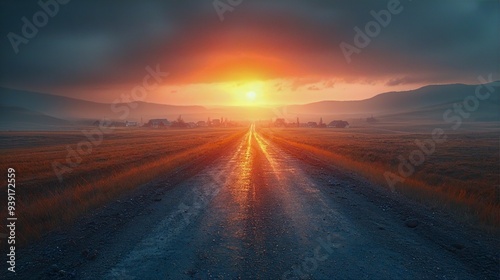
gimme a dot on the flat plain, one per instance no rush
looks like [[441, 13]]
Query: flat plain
[[250, 204], [461, 174], [125, 159]]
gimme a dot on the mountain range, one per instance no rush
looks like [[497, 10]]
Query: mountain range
[[392, 103], [25, 110]]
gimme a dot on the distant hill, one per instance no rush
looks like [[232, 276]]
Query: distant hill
[[28, 110], [486, 112], [16, 119], [392, 103], [76, 109]]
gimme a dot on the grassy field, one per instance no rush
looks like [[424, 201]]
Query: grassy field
[[461, 175], [124, 160]]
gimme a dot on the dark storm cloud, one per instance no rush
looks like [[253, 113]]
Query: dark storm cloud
[[100, 43]]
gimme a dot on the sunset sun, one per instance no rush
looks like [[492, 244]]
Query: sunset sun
[[251, 95]]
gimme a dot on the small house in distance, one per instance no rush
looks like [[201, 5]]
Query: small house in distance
[[312, 124], [129, 124], [157, 123], [216, 122], [338, 124], [280, 122]]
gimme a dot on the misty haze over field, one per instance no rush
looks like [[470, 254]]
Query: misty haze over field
[[24, 110]]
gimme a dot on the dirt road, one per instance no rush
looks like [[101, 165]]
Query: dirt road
[[259, 212]]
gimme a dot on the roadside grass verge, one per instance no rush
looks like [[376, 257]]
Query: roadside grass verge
[[121, 163], [461, 177]]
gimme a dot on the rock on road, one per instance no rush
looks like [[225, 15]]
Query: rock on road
[[259, 212]]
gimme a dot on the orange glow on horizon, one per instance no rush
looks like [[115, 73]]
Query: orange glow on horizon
[[241, 66]]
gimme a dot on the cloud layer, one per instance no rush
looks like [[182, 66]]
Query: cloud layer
[[101, 44]]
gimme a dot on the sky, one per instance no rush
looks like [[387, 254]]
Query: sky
[[245, 52]]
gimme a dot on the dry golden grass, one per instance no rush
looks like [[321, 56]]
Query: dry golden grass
[[462, 175], [123, 161]]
